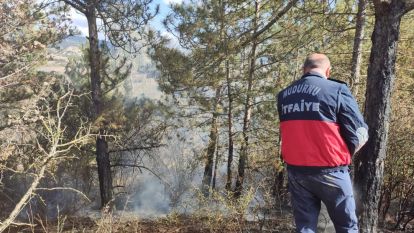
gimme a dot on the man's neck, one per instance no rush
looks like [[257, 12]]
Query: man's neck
[[316, 72]]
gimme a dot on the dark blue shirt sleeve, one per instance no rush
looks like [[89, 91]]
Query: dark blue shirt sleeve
[[352, 126]]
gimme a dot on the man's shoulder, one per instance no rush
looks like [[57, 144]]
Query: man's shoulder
[[337, 81], [280, 93]]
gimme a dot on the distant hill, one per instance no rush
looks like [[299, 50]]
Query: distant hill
[[71, 41], [59, 54], [141, 79]]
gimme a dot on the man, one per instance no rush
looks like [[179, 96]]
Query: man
[[321, 128]]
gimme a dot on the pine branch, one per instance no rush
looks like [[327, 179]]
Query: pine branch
[[279, 15], [77, 5]]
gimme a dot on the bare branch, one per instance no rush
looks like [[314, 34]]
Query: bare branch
[[409, 5], [137, 148], [145, 168], [23, 224], [9, 84], [75, 4], [272, 22], [66, 188], [54, 127], [24, 68], [24, 200]]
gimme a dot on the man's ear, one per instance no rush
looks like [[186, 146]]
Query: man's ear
[[328, 72]]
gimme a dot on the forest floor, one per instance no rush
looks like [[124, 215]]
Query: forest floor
[[165, 225], [176, 224], [168, 224]]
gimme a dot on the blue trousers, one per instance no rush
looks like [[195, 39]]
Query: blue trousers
[[333, 188]]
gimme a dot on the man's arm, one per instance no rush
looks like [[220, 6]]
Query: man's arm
[[353, 128]]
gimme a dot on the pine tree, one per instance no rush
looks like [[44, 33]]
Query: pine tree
[[122, 27], [369, 165]]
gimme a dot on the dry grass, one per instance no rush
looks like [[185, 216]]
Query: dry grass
[[173, 223], [169, 224]]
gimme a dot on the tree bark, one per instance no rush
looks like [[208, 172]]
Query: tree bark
[[230, 129], [358, 42], [102, 155], [29, 193], [279, 175], [247, 109], [211, 149], [213, 186], [369, 164]]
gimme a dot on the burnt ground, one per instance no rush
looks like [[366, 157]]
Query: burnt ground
[[169, 224]]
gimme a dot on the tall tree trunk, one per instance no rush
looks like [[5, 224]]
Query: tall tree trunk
[[358, 42], [211, 149], [278, 185], [230, 129], [279, 175], [213, 186], [369, 164], [224, 40], [102, 155], [248, 106]]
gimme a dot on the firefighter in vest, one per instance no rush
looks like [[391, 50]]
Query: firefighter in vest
[[321, 128]]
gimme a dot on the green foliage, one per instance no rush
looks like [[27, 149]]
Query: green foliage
[[217, 41], [217, 52], [26, 29]]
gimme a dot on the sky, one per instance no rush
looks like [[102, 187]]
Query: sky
[[80, 21]]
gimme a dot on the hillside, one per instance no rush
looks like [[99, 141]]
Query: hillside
[[143, 85]]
